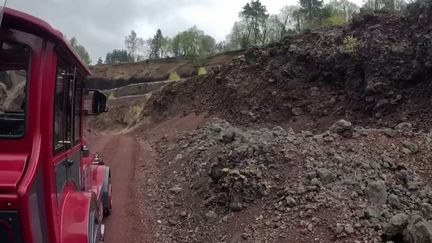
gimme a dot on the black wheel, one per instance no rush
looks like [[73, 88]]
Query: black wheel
[[107, 204]]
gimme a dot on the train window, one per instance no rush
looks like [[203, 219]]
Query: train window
[[60, 107], [14, 63], [70, 104], [78, 109]]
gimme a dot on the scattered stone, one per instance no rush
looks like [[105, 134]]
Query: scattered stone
[[325, 176], [183, 214], [349, 229], [315, 182], [228, 135], [211, 215], [377, 192], [370, 212], [413, 148], [172, 222], [297, 111], [390, 133], [394, 201], [175, 189]]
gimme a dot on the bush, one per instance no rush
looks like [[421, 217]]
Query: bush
[[202, 71], [174, 76], [351, 44], [334, 20]]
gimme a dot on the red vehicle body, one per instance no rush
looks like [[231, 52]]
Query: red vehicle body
[[51, 188]]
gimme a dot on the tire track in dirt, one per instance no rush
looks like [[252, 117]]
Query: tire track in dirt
[[119, 152]]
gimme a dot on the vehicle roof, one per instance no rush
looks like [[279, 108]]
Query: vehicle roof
[[31, 24]]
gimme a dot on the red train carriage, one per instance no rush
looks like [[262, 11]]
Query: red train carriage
[[52, 189]]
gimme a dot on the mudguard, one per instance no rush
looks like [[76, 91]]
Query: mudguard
[[80, 219]]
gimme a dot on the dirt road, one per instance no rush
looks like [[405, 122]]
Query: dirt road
[[119, 151]]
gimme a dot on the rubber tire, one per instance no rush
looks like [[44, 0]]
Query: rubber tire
[[108, 209]]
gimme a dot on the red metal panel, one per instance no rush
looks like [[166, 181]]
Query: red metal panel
[[11, 169]]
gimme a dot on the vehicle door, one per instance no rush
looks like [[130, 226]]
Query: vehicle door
[[66, 142]]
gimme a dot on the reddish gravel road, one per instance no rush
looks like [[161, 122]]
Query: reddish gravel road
[[119, 152]]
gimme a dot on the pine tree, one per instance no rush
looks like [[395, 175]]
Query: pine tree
[[156, 45]]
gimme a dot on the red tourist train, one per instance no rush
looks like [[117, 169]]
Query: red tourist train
[[52, 189]]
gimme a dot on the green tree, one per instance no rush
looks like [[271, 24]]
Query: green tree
[[255, 16], [238, 38], [156, 45], [166, 47], [133, 43], [119, 56], [311, 9], [80, 50], [388, 5], [332, 16], [100, 61], [207, 45], [192, 43], [221, 47]]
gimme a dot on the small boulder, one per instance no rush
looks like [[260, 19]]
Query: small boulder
[[343, 128], [420, 232], [325, 176], [412, 147], [228, 135], [426, 210], [396, 225], [377, 192], [297, 111], [404, 127]]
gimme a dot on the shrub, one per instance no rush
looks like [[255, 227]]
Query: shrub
[[351, 44], [174, 76], [334, 20], [111, 96], [202, 71]]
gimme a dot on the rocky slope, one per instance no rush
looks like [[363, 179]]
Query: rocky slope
[[375, 71], [347, 184]]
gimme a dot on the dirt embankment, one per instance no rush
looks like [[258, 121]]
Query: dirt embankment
[[110, 76], [323, 137]]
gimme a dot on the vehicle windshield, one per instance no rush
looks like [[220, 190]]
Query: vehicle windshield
[[14, 63]]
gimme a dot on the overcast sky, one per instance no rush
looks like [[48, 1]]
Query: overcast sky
[[101, 25]]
